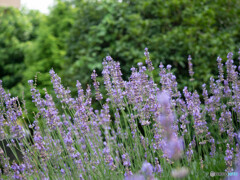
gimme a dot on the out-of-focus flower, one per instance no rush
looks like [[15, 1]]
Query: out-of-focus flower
[[180, 172], [157, 169], [135, 177], [147, 168], [190, 67], [172, 146], [62, 171], [220, 68]]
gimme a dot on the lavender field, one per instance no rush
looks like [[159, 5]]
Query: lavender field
[[145, 129]]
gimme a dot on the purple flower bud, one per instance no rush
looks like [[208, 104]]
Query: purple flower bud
[[140, 64]]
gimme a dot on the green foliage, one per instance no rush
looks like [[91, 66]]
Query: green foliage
[[103, 28], [170, 29], [48, 50], [15, 29]]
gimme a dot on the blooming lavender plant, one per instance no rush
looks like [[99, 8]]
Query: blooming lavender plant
[[143, 130]]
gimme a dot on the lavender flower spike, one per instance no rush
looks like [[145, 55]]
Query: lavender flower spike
[[229, 159], [190, 67], [148, 61], [147, 169], [173, 145], [96, 86]]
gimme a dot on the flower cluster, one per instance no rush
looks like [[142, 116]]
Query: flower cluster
[[139, 129]]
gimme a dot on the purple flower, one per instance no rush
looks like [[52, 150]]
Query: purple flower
[[190, 67], [148, 61], [232, 75], [135, 177], [229, 158], [128, 173], [163, 98], [96, 86], [126, 160], [62, 171], [213, 147], [147, 169], [220, 69], [172, 146], [62, 93], [157, 168], [238, 137]]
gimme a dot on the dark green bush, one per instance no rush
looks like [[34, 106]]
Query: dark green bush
[[170, 29]]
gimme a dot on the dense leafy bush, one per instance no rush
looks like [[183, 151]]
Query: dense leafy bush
[[15, 29], [170, 29], [48, 49]]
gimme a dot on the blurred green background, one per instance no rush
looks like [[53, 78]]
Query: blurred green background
[[76, 35]]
